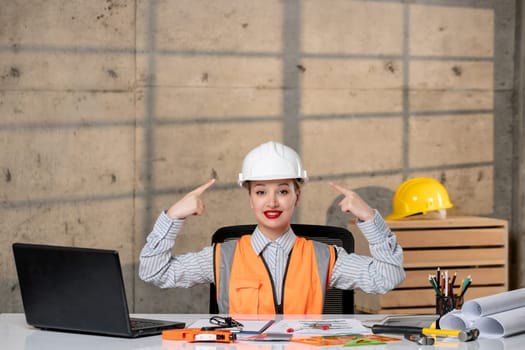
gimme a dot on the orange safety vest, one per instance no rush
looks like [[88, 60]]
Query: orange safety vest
[[244, 285]]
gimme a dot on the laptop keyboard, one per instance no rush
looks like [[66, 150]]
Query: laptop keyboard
[[141, 324]]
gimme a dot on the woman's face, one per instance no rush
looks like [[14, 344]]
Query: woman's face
[[273, 203]]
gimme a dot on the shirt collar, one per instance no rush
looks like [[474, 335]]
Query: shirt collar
[[260, 241]]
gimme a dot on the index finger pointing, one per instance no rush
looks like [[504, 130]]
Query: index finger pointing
[[339, 188], [200, 190]]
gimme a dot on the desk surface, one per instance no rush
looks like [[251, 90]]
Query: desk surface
[[15, 334]]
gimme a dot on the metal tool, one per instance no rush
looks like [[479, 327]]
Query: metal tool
[[198, 335], [420, 339], [462, 335]]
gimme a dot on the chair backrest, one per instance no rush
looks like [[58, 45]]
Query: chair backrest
[[337, 301]]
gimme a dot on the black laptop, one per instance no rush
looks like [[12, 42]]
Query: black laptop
[[78, 290]]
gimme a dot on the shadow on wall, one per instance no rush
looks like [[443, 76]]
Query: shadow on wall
[[379, 198]]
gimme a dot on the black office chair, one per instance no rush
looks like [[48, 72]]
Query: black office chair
[[337, 301]]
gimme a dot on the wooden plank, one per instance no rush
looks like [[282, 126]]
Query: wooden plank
[[450, 222], [397, 311], [480, 276], [414, 297], [483, 255], [367, 302], [403, 299], [408, 311], [454, 257], [452, 238]]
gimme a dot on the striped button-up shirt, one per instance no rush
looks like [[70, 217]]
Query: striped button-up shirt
[[378, 273], [275, 254]]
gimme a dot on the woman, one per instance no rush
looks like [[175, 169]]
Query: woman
[[273, 270]]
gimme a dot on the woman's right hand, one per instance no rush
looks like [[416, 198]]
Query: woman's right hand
[[190, 204]]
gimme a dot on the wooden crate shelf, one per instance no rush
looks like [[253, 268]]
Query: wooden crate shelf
[[468, 245]]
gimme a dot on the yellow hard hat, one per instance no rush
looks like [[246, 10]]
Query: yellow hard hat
[[418, 196]]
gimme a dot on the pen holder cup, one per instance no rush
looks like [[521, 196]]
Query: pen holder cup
[[445, 304]]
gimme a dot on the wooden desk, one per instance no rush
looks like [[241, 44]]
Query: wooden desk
[[15, 334]]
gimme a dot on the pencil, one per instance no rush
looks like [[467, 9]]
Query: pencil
[[460, 289], [466, 287], [454, 280], [433, 284], [446, 283], [438, 276]]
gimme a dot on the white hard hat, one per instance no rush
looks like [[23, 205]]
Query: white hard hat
[[272, 161]]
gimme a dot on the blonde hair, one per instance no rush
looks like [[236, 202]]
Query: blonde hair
[[297, 184]]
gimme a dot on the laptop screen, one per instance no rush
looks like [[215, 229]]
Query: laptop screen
[[67, 288]]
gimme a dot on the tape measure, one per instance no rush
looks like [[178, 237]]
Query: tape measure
[[198, 335]]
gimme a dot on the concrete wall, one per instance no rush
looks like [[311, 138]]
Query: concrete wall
[[110, 110], [518, 185]]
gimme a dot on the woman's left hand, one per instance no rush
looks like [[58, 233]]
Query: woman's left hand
[[354, 204]]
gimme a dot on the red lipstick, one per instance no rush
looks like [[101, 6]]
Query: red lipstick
[[272, 214]]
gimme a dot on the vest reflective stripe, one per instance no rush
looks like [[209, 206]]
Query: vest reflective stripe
[[325, 262], [224, 260], [251, 291]]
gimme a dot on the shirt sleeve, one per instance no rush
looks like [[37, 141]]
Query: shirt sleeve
[[158, 266], [375, 274]]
